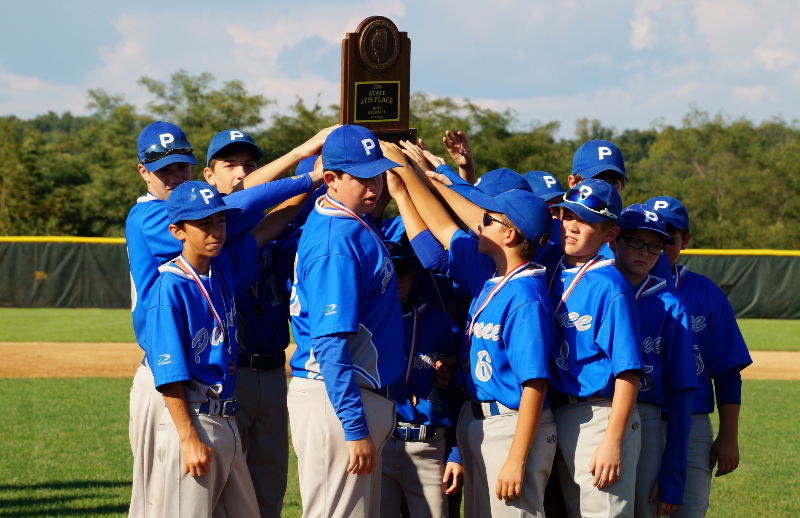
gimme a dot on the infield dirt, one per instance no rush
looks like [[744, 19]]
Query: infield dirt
[[120, 360]]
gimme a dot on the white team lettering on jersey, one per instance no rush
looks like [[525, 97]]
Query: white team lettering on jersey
[[199, 343], [563, 361], [487, 331], [646, 383], [427, 361], [387, 271], [483, 369], [698, 359], [581, 323], [698, 323], [651, 345]]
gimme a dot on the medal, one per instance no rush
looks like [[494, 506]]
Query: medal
[[414, 400], [259, 309], [231, 367]]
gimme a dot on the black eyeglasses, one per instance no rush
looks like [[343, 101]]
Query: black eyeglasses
[[487, 220], [590, 201], [176, 147], [638, 244], [402, 268]]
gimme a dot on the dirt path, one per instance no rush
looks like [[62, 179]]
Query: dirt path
[[120, 360]]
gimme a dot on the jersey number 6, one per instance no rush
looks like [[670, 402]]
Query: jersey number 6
[[483, 370]]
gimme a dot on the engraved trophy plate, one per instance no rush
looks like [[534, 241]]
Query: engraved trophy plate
[[379, 45]]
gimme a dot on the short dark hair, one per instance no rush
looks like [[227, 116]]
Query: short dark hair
[[671, 229], [229, 151], [525, 247]]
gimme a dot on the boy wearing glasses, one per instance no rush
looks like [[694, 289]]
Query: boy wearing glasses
[[598, 365], [165, 160], [669, 366], [720, 354], [414, 464], [506, 433]]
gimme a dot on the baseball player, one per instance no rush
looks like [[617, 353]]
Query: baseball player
[[548, 188], [191, 345], [720, 354], [669, 366], [597, 368], [165, 160], [415, 458], [506, 435], [601, 160], [348, 326], [263, 332]]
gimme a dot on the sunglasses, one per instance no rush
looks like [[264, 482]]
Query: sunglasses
[[638, 244], [488, 220], [590, 201], [156, 151], [402, 268]]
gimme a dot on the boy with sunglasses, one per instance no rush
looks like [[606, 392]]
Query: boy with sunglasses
[[597, 367], [415, 465], [165, 160], [669, 370], [720, 354], [506, 433], [192, 347]]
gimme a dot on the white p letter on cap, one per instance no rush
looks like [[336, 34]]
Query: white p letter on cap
[[549, 181], [236, 134], [603, 151], [660, 205], [166, 138], [207, 194], [650, 216], [368, 144]]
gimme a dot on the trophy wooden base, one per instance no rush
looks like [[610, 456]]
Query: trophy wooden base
[[396, 135]]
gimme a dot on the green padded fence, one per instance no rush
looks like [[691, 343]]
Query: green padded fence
[[67, 272]]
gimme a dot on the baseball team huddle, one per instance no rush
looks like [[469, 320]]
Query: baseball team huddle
[[531, 350]]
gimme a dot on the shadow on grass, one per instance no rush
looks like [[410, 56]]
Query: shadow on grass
[[96, 491]]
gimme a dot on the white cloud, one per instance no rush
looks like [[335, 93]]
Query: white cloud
[[753, 93]]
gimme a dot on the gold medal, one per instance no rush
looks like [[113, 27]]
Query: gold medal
[[231, 368], [414, 400], [259, 310]]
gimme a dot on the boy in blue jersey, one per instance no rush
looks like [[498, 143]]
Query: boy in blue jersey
[[669, 370], [506, 433], [720, 354], [191, 345], [263, 318], [600, 160], [597, 367], [165, 158], [347, 323], [414, 463]]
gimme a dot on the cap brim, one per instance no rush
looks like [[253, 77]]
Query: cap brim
[[203, 213], [593, 171], [465, 189], [667, 239], [371, 169], [259, 153], [485, 202], [152, 167], [547, 196], [584, 213]]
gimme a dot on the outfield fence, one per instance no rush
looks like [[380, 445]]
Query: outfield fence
[[85, 272]]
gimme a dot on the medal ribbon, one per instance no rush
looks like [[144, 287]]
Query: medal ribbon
[[643, 288], [679, 271], [196, 278], [436, 289], [413, 354], [507, 277], [254, 290], [553, 275], [339, 206], [583, 270]]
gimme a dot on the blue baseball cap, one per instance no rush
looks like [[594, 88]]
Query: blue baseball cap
[[645, 218], [528, 212], [398, 251], [229, 137], [192, 200], [596, 156], [545, 185], [356, 151], [305, 165], [672, 210], [492, 183], [166, 139], [593, 201]]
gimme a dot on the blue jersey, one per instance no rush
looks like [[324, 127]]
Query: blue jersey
[[716, 339], [599, 324], [433, 337], [150, 243], [666, 344], [183, 335], [345, 283], [263, 308], [511, 339]]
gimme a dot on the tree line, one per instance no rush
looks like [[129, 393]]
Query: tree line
[[76, 175]]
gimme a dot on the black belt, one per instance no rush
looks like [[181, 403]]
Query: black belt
[[261, 362], [414, 432], [222, 408], [557, 399]]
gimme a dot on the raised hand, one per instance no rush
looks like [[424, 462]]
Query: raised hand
[[433, 159], [416, 158], [393, 153], [312, 145], [457, 145]]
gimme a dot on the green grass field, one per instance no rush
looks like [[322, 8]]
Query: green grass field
[[64, 451], [114, 325]]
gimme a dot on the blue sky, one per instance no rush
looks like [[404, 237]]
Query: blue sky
[[628, 63]]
